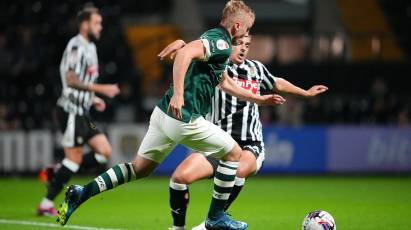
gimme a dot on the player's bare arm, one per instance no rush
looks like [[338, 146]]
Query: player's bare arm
[[230, 87], [227, 84], [171, 49], [99, 104], [285, 86], [108, 90], [184, 56]]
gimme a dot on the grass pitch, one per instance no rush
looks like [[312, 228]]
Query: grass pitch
[[266, 203]]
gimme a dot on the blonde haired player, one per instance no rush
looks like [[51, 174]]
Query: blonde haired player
[[179, 119], [238, 118]]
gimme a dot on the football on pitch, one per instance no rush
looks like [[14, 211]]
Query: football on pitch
[[319, 220]]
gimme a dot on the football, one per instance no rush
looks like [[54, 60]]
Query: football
[[319, 220]]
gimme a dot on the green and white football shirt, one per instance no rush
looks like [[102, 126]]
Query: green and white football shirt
[[203, 76]]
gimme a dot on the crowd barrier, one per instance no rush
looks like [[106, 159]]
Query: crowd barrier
[[309, 149]]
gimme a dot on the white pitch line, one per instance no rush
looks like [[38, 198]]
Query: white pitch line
[[49, 225]]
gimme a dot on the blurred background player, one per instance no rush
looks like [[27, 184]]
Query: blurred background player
[[238, 118], [79, 72]]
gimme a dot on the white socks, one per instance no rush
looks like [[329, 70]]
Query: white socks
[[46, 203], [177, 186]]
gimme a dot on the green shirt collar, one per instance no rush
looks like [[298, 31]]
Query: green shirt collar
[[225, 31]]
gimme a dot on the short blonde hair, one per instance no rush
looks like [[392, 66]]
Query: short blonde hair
[[235, 10]]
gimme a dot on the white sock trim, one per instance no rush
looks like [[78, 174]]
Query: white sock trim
[[124, 171], [177, 186], [239, 181], [101, 159], [224, 184], [230, 163], [113, 177], [132, 171], [73, 166], [226, 171], [46, 203]]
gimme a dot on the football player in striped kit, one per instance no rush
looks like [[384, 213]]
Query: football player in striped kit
[[79, 72], [238, 118]]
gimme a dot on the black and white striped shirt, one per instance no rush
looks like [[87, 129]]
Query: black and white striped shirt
[[239, 118], [79, 56]]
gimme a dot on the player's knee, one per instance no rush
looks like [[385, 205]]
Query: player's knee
[[140, 171], [74, 155], [234, 154], [143, 167], [248, 165], [107, 152], [101, 146], [77, 158], [181, 177], [244, 172]]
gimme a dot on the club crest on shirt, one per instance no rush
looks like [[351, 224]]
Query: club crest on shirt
[[253, 71], [222, 45]]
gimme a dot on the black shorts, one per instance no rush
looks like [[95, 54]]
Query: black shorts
[[255, 147], [77, 130]]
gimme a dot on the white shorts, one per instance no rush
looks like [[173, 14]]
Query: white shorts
[[200, 135]]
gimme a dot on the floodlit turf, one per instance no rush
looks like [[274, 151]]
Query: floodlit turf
[[266, 203]]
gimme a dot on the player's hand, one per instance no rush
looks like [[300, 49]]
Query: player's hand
[[171, 49], [99, 104], [317, 89], [110, 90], [176, 103], [271, 99]]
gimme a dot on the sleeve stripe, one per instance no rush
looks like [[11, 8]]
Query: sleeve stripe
[[268, 78], [207, 48]]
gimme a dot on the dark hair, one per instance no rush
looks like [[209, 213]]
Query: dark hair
[[85, 13]]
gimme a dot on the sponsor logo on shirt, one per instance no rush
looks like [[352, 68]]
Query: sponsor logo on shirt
[[92, 70], [222, 45], [247, 84]]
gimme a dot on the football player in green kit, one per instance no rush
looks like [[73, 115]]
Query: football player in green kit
[[179, 119]]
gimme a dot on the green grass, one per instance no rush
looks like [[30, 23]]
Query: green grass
[[266, 203]]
